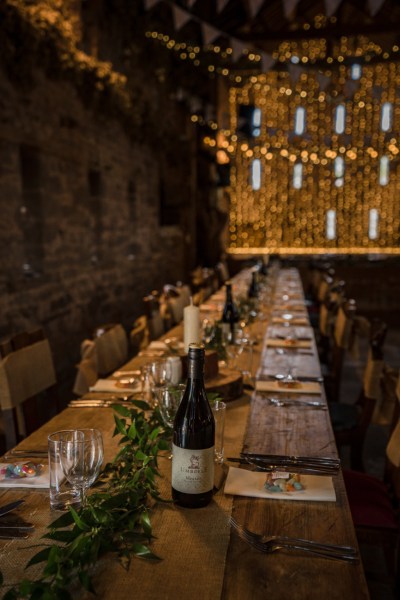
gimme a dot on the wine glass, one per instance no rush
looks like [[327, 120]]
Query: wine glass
[[160, 375], [170, 398], [81, 452]]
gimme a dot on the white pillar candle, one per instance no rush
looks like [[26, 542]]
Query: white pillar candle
[[191, 325]]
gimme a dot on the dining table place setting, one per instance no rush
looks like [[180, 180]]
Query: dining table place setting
[[278, 501]]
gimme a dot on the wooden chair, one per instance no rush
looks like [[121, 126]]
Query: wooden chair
[[152, 308], [343, 331], [351, 421], [374, 503], [106, 352], [27, 384], [139, 335]]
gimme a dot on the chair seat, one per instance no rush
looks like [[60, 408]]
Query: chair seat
[[343, 416], [369, 501]]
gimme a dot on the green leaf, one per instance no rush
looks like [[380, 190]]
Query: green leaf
[[121, 424], [141, 404], [121, 410], [39, 557], [143, 551], [132, 431], [63, 521], [140, 455], [80, 523], [146, 524], [61, 536]]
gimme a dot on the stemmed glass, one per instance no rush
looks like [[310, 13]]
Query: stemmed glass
[[160, 373], [81, 453], [170, 398]]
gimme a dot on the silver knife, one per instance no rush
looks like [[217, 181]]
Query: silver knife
[[4, 510], [9, 534]]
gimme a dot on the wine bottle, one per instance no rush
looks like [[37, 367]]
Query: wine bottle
[[230, 314], [193, 439], [253, 287]]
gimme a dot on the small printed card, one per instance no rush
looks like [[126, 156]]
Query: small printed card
[[9, 477], [289, 387], [242, 482]]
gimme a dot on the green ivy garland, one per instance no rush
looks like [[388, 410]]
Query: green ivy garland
[[116, 518]]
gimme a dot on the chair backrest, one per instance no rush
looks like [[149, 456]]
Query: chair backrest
[[344, 325], [25, 373], [392, 473], [111, 350], [138, 336], [155, 321]]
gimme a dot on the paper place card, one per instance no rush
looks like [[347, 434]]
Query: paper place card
[[242, 482], [38, 481], [115, 387], [287, 343], [291, 387]]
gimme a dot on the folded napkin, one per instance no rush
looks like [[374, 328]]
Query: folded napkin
[[294, 321], [295, 307], [242, 482], [38, 481], [114, 386], [209, 307], [288, 343], [157, 345], [295, 387]]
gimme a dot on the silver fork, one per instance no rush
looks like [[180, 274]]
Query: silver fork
[[273, 543], [289, 402]]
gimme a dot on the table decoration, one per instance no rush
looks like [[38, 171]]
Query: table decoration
[[289, 387], [11, 475], [241, 482], [116, 517]]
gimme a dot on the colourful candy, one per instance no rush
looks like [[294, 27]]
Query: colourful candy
[[283, 482], [18, 470]]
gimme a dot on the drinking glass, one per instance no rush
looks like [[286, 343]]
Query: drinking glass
[[160, 373], [170, 398], [81, 453]]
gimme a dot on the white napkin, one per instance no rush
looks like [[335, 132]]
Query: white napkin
[[288, 343], [293, 321], [39, 481], [300, 387], [241, 482], [157, 345], [113, 386]]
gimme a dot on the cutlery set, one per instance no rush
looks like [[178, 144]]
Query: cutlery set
[[312, 465], [268, 544], [12, 528], [300, 403]]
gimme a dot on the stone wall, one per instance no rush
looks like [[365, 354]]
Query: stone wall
[[82, 212]]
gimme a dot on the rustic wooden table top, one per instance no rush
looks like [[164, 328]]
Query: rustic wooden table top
[[202, 556]]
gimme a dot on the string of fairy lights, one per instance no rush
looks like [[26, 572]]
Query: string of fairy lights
[[285, 212], [320, 190]]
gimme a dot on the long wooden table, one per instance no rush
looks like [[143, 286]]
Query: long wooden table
[[202, 556]]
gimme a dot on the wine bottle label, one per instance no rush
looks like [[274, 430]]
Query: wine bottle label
[[192, 470]]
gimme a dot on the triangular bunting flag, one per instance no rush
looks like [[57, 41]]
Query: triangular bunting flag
[[148, 4], [190, 3], [209, 33], [331, 7], [237, 49], [267, 62], [221, 5], [289, 7], [374, 6], [181, 17], [255, 6]]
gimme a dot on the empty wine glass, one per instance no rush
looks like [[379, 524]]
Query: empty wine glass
[[160, 375], [170, 398], [81, 452]]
